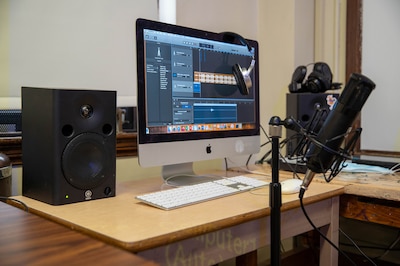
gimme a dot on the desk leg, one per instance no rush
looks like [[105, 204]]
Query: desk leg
[[247, 259], [328, 254]]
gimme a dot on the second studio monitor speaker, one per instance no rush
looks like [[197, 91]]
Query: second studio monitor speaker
[[310, 110], [68, 144]]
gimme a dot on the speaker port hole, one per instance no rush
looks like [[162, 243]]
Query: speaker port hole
[[107, 191], [67, 130], [305, 118], [107, 129]]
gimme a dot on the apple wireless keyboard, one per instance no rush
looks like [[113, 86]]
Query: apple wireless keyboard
[[188, 195]]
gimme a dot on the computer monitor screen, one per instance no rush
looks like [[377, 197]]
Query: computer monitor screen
[[189, 104]]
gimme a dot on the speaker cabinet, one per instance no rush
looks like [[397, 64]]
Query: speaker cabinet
[[303, 107], [68, 144]]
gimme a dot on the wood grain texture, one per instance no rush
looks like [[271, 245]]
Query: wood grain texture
[[354, 46], [27, 239], [372, 185], [125, 222], [370, 210]]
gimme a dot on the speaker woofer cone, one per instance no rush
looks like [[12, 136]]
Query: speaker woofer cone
[[86, 161]]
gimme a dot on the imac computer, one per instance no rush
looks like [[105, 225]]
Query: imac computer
[[190, 107]]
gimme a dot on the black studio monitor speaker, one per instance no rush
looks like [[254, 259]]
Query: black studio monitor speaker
[[68, 144], [304, 107]]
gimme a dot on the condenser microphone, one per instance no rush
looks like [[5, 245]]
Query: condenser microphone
[[323, 150]]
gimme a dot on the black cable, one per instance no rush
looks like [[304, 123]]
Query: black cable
[[261, 161], [385, 249], [248, 160], [370, 247], [265, 133], [226, 164], [322, 235], [26, 208], [281, 146], [394, 243], [357, 247]]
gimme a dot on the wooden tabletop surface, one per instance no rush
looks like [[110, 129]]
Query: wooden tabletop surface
[[125, 222], [373, 185], [27, 239]]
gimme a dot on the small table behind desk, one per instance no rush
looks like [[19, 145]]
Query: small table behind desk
[[370, 197], [27, 239], [201, 234]]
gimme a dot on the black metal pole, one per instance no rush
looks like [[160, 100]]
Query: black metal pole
[[275, 195]]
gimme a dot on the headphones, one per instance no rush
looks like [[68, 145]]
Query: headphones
[[242, 75], [319, 80]]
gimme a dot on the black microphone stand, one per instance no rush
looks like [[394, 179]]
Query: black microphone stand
[[275, 194], [275, 189]]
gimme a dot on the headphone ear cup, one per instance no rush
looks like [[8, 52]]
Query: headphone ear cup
[[242, 75], [314, 86], [242, 78], [297, 79], [320, 79]]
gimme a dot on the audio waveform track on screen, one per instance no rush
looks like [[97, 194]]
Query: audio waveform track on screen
[[214, 78]]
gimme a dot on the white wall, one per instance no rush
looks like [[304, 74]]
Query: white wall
[[73, 44], [330, 36], [381, 63], [222, 15]]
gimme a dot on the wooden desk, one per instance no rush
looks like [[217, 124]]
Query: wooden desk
[[201, 234], [386, 187], [27, 239]]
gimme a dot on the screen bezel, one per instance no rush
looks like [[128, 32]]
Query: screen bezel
[[144, 138]]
